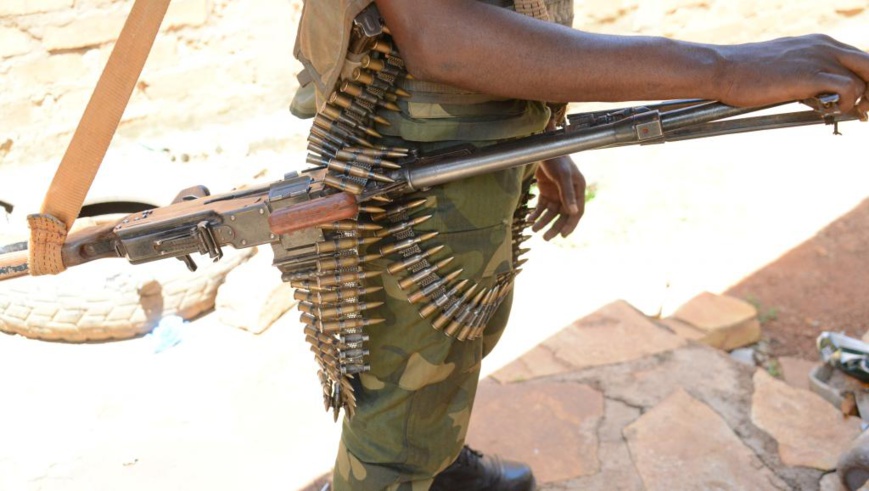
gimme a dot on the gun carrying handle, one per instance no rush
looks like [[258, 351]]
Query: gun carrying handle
[[13, 264], [314, 212]]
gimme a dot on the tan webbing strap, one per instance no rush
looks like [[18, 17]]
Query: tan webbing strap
[[91, 139], [533, 8]]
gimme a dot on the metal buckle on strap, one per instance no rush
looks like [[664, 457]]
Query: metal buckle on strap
[[369, 21]]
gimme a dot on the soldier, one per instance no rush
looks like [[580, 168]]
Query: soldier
[[476, 68]]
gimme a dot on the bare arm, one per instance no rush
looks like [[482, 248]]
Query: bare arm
[[480, 47]]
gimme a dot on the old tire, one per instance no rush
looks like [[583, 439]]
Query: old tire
[[110, 299]]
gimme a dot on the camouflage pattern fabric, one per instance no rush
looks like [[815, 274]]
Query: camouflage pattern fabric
[[414, 406]]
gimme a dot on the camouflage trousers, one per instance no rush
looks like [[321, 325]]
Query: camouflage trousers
[[414, 406]]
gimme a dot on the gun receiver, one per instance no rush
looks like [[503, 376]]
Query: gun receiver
[[199, 223], [288, 214]]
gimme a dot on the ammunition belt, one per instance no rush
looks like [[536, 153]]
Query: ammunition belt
[[331, 278]]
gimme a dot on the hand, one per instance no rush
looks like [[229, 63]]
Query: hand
[[562, 197], [794, 69]]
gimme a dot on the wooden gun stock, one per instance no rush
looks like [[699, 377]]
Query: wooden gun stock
[[341, 206]]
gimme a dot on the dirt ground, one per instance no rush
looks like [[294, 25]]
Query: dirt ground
[[821, 285]]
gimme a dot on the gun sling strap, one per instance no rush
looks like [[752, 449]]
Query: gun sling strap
[[91, 140]]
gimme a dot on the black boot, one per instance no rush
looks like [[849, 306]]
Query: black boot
[[474, 472]]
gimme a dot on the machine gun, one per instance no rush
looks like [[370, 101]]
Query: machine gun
[[291, 213]]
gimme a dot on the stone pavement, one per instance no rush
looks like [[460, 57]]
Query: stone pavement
[[619, 401]]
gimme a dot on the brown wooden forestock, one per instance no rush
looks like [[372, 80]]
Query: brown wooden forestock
[[314, 212]]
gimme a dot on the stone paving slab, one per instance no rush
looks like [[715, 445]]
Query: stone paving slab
[[617, 470], [681, 416], [683, 444], [809, 430], [708, 311], [565, 447], [605, 337], [719, 321]]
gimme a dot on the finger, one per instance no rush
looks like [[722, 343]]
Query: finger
[[863, 107], [538, 210], [568, 197], [579, 190], [544, 220], [570, 224], [839, 44], [555, 229], [543, 204], [856, 61], [846, 87], [547, 217], [862, 88]]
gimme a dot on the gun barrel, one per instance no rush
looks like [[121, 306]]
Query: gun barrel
[[704, 113], [758, 123], [528, 150], [687, 120]]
